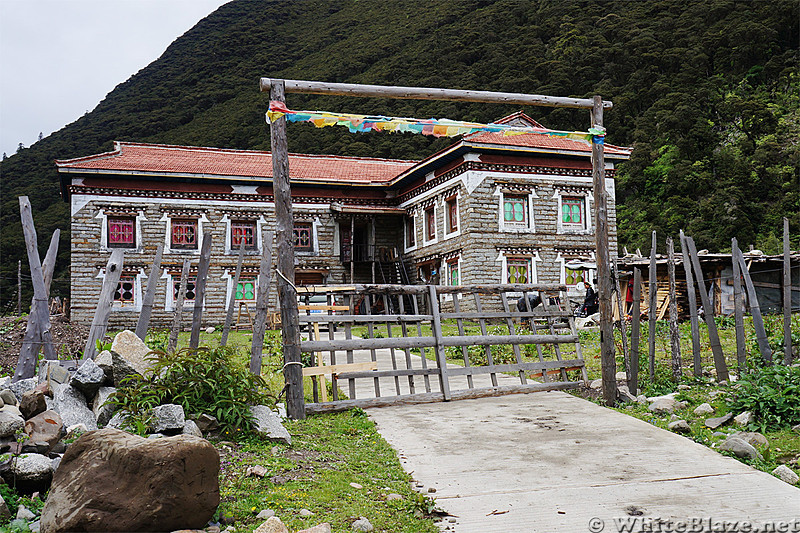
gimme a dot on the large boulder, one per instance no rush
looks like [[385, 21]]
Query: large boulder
[[70, 403], [30, 472], [133, 349], [45, 427], [110, 480], [88, 378], [268, 423]]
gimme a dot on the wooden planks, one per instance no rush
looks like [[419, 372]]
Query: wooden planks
[[200, 289], [149, 295], [262, 301], [104, 303]]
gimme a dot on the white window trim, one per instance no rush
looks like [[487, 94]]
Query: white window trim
[[587, 228], [513, 228], [458, 265], [228, 277], [446, 213], [314, 237], [574, 290], [502, 258], [137, 293], [103, 217], [425, 241], [169, 298], [413, 217], [167, 219], [229, 249]]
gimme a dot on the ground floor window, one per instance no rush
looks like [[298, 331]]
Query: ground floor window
[[125, 295], [453, 272], [190, 288], [246, 290], [518, 269], [574, 277]]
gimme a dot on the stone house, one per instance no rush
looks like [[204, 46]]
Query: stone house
[[488, 209]]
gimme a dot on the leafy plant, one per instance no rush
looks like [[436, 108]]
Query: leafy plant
[[201, 380], [102, 346], [772, 394]]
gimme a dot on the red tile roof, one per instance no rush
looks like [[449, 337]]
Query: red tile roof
[[168, 159], [544, 142]]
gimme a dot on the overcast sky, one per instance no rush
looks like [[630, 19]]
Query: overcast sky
[[59, 58]]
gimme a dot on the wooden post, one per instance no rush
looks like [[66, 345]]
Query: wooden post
[[633, 380], [674, 334], [149, 295], [652, 292], [352, 247], [738, 311], [287, 294], [626, 356], [19, 287], [441, 359], [787, 295], [708, 315], [262, 304], [692, 296], [607, 347], [755, 311], [200, 289], [232, 296], [104, 303], [176, 319], [48, 267]]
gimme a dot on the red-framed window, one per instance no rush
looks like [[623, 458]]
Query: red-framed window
[[190, 287], [243, 230], [453, 272], [573, 211], [121, 232], [184, 233], [515, 210], [451, 205], [125, 294], [411, 233], [518, 270], [430, 224], [246, 290], [303, 237]]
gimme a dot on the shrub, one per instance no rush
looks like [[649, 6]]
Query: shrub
[[772, 394], [201, 380]]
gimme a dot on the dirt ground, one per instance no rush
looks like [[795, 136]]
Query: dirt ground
[[69, 339]]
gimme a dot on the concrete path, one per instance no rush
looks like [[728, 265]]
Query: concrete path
[[551, 462]]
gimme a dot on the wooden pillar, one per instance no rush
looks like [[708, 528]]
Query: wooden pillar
[[149, 295], [371, 250], [607, 347], [200, 289], [787, 296], [104, 302], [232, 295], [178, 313], [738, 311], [692, 296], [652, 292], [262, 303], [633, 380], [352, 247], [287, 294], [19, 287], [674, 334], [755, 311], [623, 330]]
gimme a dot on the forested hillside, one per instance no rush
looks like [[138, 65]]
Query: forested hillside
[[706, 92]]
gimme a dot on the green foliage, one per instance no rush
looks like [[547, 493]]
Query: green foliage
[[11, 498], [102, 346], [202, 380], [772, 394]]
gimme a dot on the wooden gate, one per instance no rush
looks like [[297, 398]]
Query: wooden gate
[[399, 344]]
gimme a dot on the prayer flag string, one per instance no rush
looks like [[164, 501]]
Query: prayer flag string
[[441, 127]]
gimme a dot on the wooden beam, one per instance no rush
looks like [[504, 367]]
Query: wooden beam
[[738, 308], [232, 295], [150, 294], [674, 333], [428, 342], [178, 313], [438, 338], [327, 370], [652, 293], [633, 380], [287, 294], [262, 304], [104, 303], [787, 295], [692, 296], [200, 289], [425, 93], [755, 311], [626, 355]]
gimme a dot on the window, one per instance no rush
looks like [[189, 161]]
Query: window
[[515, 211], [411, 233], [184, 234], [190, 288], [453, 272], [451, 206], [121, 232], [246, 290], [572, 212], [243, 230], [518, 270], [430, 224], [125, 295], [574, 277], [303, 237]]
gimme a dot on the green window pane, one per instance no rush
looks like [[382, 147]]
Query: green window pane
[[519, 212], [509, 211], [576, 213], [565, 217]]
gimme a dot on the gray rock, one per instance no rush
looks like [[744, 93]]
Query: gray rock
[[40, 447], [210, 329], [88, 378], [133, 349], [117, 421], [596, 384], [641, 399], [156, 436], [680, 426], [681, 405], [625, 395], [269, 424], [282, 411], [120, 369], [168, 418], [324, 527], [714, 423], [31, 472], [752, 438], [75, 430], [744, 418], [35, 526], [23, 513], [56, 462], [8, 397], [683, 387], [670, 396], [362, 524], [306, 512], [105, 361], [265, 513], [207, 423], [621, 376], [663, 406], [714, 393], [21, 387], [45, 427], [10, 424], [102, 411], [703, 409], [272, 525], [52, 373], [70, 403], [5, 514], [393, 496], [190, 428], [796, 428], [739, 448], [786, 474], [33, 402], [12, 410]]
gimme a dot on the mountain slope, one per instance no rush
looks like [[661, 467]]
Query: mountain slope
[[705, 91]]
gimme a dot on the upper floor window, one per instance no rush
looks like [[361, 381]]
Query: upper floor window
[[573, 212], [430, 224], [243, 230], [411, 233], [451, 209], [518, 270], [515, 211], [303, 237], [121, 232], [184, 234]]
